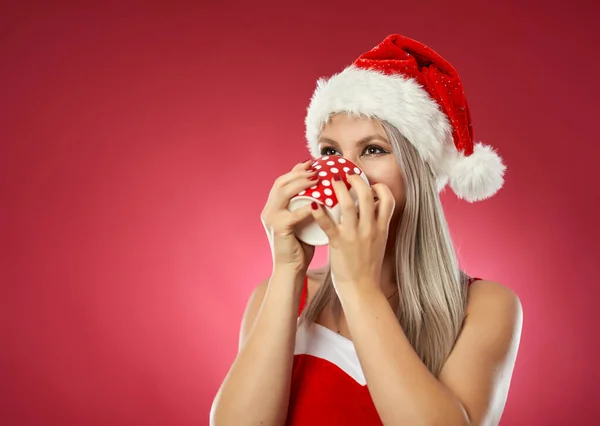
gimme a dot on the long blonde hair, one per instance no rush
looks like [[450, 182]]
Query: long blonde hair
[[432, 288]]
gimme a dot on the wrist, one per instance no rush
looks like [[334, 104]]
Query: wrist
[[357, 292], [288, 274]]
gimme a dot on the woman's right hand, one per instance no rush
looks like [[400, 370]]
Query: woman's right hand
[[287, 251]]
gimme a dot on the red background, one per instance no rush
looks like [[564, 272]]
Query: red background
[[139, 142]]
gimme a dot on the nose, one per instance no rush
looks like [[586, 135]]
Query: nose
[[353, 156]]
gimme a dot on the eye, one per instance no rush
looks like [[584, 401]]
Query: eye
[[372, 148], [326, 151], [369, 150]]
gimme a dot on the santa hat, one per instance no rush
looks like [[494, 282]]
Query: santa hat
[[413, 88]]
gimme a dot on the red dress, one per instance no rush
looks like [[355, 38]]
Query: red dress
[[328, 384]]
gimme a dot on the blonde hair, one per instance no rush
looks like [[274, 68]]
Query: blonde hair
[[432, 288]]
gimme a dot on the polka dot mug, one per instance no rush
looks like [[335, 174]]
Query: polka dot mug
[[322, 192]]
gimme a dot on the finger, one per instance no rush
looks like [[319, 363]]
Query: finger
[[386, 205], [290, 184], [325, 222], [376, 210], [348, 214], [299, 215], [302, 183], [298, 171], [366, 201], [289, 177], [303, 165]]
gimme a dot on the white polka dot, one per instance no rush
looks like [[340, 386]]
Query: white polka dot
[[346, 169], [330, 163], [329, 202], [325, 182], [302, 192], [357, 170], [316, 194], [325, 158], [314, 187], [318, 167], [323, 173], [334, 170], [341, 160], [328, 191]]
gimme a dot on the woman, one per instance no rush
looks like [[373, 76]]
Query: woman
[[391, 331]]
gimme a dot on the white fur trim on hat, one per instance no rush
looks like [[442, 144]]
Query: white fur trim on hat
[[398, 100], [406, 105]]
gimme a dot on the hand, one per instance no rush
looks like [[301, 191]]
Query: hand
[[287, 251], [357, 244]]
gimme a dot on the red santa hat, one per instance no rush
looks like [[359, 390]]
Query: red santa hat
[[413, 88]]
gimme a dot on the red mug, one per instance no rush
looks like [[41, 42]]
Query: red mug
[[322, 192]]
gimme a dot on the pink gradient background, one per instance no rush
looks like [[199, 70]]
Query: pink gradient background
[[131, 239]]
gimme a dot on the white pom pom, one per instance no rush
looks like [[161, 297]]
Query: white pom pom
[[477, 176]]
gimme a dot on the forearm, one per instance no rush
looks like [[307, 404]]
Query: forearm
[[256, 389], [403, 390]]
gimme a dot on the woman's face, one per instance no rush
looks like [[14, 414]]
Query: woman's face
[[364, 142]]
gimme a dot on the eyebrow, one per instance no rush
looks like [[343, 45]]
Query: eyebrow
[[362, 142]]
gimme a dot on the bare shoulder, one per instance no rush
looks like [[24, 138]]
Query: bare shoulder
[[485, 297], [479, 369], [495, 310]]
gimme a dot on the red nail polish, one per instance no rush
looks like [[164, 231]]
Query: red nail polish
[[314, 205], [336, 178], [314, 177]]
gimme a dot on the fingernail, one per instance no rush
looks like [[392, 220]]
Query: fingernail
[[314, 205], [314, 177], [336, 178]]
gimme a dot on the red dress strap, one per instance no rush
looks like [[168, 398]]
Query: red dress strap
[[303, 296]]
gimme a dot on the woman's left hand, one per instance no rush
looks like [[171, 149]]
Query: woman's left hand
[[357, 244]]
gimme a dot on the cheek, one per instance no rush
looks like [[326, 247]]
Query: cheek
[[398, 192], [392, 181]]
